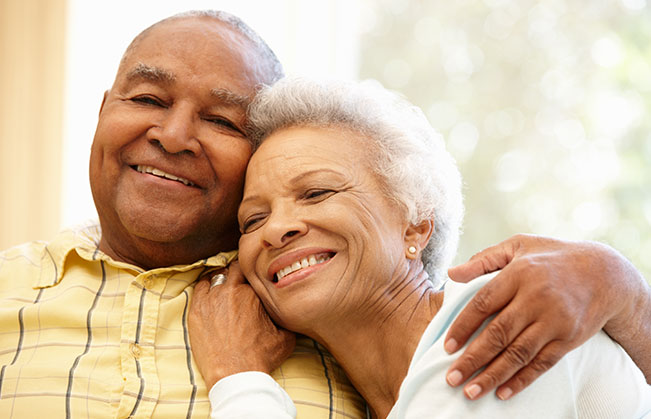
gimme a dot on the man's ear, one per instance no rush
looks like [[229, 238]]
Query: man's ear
[[417, 236], [106, 93]]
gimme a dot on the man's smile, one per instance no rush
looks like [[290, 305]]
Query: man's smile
[[160, 173]]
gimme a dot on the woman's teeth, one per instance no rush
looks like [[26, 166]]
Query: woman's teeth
[[300, 264]]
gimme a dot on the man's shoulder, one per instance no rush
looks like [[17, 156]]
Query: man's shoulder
[[21, 264], [28, 260], [28, 253], [86, 234]]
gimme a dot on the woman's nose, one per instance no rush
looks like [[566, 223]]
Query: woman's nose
[[282, 229]]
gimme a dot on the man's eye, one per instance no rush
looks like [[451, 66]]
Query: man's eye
[[223, 122], [148, 100]]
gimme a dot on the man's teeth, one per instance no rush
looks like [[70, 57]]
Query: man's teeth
[[160, 173], [303, 263]]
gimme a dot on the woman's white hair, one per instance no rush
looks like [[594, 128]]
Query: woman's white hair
[[407, 154]]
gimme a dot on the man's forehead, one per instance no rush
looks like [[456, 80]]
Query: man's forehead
[[186, 37], [188, 30], [225, 47]]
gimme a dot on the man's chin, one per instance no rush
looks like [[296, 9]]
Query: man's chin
[[150, 244]]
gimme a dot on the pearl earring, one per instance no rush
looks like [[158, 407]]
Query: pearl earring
[[412, 249]]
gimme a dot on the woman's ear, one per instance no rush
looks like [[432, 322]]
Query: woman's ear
[[417, 236]]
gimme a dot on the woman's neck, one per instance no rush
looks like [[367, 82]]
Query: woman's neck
[[376, 352]]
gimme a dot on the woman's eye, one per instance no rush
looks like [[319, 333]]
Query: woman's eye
[[318, 194], [148, 100], [251, 224]]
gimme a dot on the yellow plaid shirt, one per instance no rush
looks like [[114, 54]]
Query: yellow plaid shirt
[[84, 336]]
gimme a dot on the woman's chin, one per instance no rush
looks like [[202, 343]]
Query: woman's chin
[[303, 324]]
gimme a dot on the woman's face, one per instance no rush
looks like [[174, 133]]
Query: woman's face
[[320, 240]]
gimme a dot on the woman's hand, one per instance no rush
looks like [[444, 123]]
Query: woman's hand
[[551, 296], [230, 331]]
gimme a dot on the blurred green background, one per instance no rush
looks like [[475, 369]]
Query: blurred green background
[[543, 104]]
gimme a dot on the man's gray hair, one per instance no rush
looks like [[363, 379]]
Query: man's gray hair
[[268, 57], [406, 154]]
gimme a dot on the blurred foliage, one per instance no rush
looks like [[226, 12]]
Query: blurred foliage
[[544, 105]]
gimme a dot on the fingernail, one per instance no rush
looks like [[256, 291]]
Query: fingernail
[[504, 393], [473, 391], [454, 378], [451, 345]]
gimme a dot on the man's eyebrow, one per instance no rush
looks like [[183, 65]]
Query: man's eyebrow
[[155, 74], [230, 97]]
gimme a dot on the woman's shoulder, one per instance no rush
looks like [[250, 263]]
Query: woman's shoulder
[[597, 372], [455, 296]]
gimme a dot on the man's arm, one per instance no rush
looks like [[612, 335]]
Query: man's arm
[[550, 297]]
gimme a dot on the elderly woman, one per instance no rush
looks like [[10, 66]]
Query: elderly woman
[[350, 217]]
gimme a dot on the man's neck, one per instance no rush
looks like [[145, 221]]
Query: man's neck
[[156, 255]]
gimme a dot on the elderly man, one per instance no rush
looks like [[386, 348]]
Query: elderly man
[[94, 323]]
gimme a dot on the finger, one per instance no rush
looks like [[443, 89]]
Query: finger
[[544, 360], [234, 274], [218, 280], [499, 334], [488, 260], [491, 298], [199, 297], [516, 356], [202, 286]]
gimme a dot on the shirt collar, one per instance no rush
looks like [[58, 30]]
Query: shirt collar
[[84, 240]]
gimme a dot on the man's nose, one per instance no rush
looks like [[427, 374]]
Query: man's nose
[[177, 132]]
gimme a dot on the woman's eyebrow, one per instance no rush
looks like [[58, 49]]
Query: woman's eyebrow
[[309, 173], [295, 180]]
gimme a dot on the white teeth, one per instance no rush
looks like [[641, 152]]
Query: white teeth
[[157, 172], [301, 264]]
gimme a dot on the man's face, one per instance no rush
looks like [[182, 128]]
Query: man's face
[[169, 154]]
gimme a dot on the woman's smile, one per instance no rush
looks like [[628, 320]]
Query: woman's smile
[[301, 264], [297, 274]]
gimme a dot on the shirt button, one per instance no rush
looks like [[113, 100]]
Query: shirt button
[[134, 348]]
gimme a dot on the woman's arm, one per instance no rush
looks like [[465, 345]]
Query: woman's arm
[[235, 345], [250, 395], [551, 295]]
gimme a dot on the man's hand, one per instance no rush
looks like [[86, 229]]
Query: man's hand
[[550, 297], [230, 331]]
